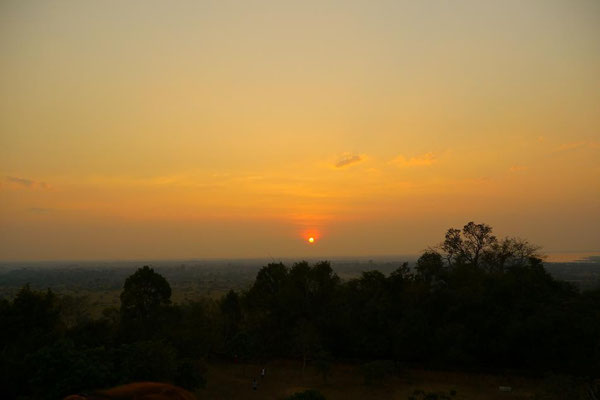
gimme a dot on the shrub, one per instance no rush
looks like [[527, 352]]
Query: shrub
[[376, 370]]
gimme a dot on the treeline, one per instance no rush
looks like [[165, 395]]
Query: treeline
[[474, 302]]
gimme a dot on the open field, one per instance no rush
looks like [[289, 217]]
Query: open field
[[283, 378]]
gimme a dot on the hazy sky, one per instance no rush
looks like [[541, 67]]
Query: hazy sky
[[158, 129]]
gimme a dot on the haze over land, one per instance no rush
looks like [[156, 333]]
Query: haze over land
[[143, 130]]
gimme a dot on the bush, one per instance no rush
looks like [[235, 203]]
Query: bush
[[377, 370], [60, 369], [147, 361]]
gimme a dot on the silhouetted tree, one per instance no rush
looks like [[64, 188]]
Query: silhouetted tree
[[509, 252], [144, 298], [147, 361], [30, 322], [430, 267], [306, 341], [231, 311], [474, 301], [59, 369], [466, 246]]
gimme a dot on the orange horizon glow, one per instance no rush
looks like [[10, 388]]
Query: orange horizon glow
[[153, 131]]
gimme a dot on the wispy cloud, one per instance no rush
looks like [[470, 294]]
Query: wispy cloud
[[348, 159], [424, 160], [20, 181], [517, 168], [583, 144], [26, 183]]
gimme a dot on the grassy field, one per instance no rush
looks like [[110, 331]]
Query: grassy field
[[283, 378]]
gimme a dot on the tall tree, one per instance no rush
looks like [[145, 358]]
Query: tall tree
[[467, 246], [144, 297]]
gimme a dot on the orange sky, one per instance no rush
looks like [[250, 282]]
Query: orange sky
[[147, 129]]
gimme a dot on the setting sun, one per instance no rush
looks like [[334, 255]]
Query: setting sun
[[182, 143], [164, 165]]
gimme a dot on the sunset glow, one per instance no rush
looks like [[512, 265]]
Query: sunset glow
[[246, 198], [154, 130]]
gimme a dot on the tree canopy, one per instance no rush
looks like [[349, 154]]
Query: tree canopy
[[472, 302]]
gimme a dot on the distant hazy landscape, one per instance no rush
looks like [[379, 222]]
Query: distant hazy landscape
[[99, 283], [188, 278]]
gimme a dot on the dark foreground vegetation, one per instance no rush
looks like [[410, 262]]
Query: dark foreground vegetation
[[473, 303]]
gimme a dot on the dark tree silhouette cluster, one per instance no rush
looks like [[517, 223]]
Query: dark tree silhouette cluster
[[473, 302]]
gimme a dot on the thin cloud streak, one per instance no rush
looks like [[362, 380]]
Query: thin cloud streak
[[518, 168], [347, 160], [577, 145], [424, 160], [20, 181], [26, 183]]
